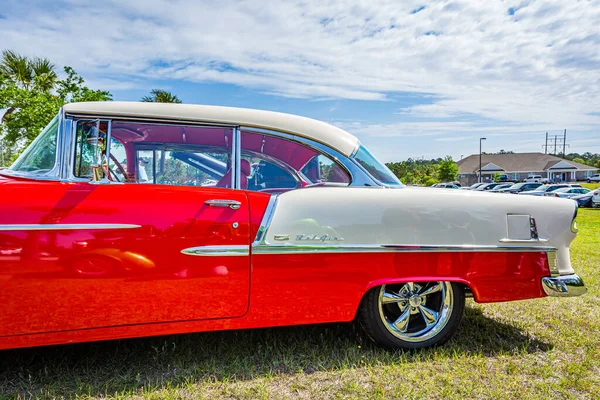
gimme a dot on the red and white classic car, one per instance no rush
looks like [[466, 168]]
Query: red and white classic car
[[138, 219]]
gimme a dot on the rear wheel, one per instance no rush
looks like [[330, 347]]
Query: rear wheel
[[412, 315]]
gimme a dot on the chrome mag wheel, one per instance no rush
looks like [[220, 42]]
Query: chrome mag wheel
[[412, 315], [416, 312]]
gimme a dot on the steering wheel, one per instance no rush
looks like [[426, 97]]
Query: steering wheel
[[119, 167]]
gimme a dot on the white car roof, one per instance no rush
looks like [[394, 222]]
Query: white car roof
[[319, 131]]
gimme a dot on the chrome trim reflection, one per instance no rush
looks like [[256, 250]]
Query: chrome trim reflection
[[216, 251], [552, 263], [266, 221], [532, 240], [64, 227], [233, 204], [564, 286], [265, 248]]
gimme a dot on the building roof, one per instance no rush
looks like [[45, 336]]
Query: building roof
[[518, 162], [322, 132]]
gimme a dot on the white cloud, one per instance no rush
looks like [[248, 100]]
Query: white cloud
[[532, 70]]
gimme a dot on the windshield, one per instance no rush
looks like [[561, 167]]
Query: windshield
[[39, 158], [374, 167]]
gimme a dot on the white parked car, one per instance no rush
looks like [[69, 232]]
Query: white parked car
[[596, 198], [533, 178], [593, 178]]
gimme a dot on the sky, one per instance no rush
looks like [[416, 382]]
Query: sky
[[408, 78]]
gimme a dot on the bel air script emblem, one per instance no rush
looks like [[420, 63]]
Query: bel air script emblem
[[321, 238]]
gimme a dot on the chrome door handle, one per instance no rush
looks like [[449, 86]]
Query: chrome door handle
[[233, 204]]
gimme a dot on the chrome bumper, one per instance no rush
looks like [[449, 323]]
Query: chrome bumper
[[564, 286]]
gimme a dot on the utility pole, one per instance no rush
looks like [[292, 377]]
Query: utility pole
[[559, 140]]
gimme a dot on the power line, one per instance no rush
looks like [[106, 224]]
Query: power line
[[559, 140]]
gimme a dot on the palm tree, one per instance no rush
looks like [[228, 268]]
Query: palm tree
[[38, 73], [44, 75], [24, 72], [16, 68], [161, 96]]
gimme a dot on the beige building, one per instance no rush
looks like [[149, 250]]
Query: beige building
[[519, 166]]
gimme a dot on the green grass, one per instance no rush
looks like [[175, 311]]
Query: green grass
[[591, 186], [529, 349]]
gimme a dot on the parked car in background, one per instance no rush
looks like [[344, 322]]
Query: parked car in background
[[533, 178], [445, 186], [474, 186], [107, 231], [520, 187], [568, 192], [501, 186], [487, 186], [584, 200], [596, 198], [593, 178], [542, 190]]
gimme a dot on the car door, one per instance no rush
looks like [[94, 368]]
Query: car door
[[88, 254]]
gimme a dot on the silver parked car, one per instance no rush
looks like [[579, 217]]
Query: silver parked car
[[568, 192], [542, 190]]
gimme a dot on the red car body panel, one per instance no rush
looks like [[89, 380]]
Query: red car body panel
[[61, 286]]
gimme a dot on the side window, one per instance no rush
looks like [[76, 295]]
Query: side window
[[90, 149], [323, 169], [182, 166], [153, 153], [274, 164]]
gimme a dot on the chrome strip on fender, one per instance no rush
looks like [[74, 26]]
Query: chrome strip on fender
[[390, 248], [212, 251], [64, 227], [508, 240], [266, 221]]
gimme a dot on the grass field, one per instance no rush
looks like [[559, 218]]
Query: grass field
[[591, 186], [530, 349]]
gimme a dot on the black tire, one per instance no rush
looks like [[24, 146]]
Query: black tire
[[371, 319]]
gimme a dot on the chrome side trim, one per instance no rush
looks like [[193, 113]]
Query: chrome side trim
[[263, 248], [564, 286], [532, 240], [266, 221], [215, 251], [64, 227]]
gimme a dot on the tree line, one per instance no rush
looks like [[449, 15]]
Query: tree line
[[425, 172], [32, 92]]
